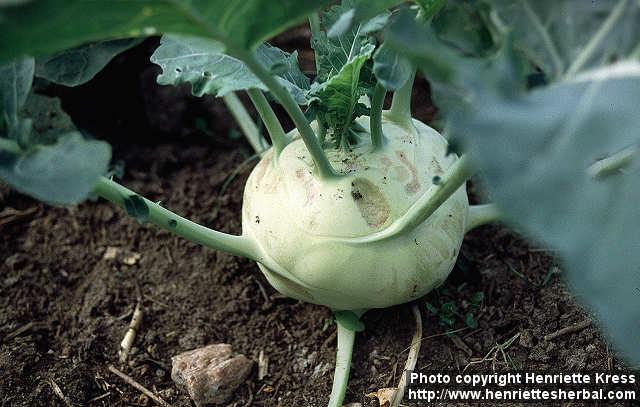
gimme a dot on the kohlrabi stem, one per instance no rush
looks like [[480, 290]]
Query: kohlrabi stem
[[377, 103], [346, 338], [323, 166], [401, 103], [10, 146], [159, 216], [453, 178], [595, 41], [314, 25], [271, 122], [245, 122], [482, 214]]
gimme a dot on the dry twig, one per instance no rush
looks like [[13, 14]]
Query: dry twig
[[58, 392], [129, 380], [568, 330]]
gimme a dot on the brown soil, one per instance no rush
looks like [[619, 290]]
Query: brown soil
[[76, 305]]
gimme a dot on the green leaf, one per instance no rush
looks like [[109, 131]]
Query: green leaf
[[16, 78], [539, 149], [48, 120], [337, 99], [46, 26], [470, 321], [431, 308], [79, 65], [62, 173], [355, 12], [137, 208], [332, 53], [430, 8], [463, 25], [558, 35], [391, 68], [202, 63], [537, 152], [349, 320]]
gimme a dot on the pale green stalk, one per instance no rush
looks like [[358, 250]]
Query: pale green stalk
[[346, 339], [377, 103], [323, 166], [401, 103], [271, 122], [314, 25], [9, 145], [454, 177], [246, 123], [597, 39], [239, 245], [482, 214]]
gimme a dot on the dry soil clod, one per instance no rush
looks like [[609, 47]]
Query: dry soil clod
[[211, 374]]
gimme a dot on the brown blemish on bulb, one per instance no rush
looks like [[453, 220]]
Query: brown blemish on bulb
[[370, 201], [414, 185]]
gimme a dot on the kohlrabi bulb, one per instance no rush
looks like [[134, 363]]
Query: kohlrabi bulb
[[305, 226]]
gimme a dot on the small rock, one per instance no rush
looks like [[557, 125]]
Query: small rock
[[210, 374], [131, 259], [110, 253]]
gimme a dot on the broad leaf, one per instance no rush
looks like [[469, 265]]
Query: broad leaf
[[333, 52], [47, 118], [391, 68], [15, 83], [356, 12], [79, 65], [429, 8], [463, 25], [202, 63], [44, 27], [570, 35], [538, 151], [62, 173], [337, 99]]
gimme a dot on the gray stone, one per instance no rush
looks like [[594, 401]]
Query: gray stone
[[211, 374]]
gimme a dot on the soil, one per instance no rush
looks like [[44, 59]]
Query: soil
[[71, 277]]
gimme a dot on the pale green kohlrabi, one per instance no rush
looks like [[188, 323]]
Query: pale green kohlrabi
[[315, 230]]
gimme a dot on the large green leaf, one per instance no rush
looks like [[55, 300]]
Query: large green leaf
[[62, 173], [392, 69], [337, 99], [202, 63], [355, 12], [40, 154], [571, 35], [46, 26], [333, 52], [15, 83], [538, 151], [75, 66]]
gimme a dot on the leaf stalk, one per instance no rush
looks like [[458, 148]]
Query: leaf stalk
[[271, 122], [377, 103], [246, 123], [323, 166]]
